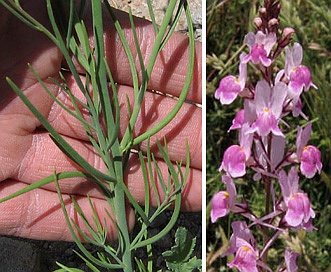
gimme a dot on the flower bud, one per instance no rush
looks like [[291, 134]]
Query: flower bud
[[287, 34], [258, 23], [263, 10], [273, 22], [288, 31], [273, 25]]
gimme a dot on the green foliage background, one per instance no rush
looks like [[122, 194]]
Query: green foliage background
[[227, 24]]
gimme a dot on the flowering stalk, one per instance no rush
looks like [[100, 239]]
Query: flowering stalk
[[263, 147]]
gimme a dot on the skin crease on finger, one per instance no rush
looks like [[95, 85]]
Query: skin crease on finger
[[20, 145]]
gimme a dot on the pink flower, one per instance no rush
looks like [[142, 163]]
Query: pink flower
[[268, 107], [309, 156], [242, 232], [220, 205], [298, 210], [260, 46], [243, 244], [245, 259], [298, 75], [300, 78], [233, 163], [235, 156], [290, 260], [224, 201], [310, 161], [230, 86]]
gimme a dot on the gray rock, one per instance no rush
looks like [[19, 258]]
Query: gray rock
[[139, 8]]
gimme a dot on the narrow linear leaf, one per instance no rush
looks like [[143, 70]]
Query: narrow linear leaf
[[174, 23], [74, 235], [57, 138], [152, 15], [183, 94], [45, 181], [177, 204], [67, 269]]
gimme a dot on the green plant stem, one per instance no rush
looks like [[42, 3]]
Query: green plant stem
[[117, 164]]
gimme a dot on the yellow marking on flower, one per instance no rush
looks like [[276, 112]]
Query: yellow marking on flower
[[266, 110], [246, 248], [236, 80], [226, 194]]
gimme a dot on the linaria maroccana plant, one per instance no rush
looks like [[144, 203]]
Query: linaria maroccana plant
[[68, 32], [263, 146]]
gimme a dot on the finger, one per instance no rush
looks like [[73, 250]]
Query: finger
[[38, 214], [20, 45], [34, 168], [170, 70], [186, 126], [44, 157]]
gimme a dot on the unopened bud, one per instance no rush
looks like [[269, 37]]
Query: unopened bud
[[273, 22], [263, 10], [288, 32], [257, 22]]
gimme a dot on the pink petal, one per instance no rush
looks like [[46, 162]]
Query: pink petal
[[249, 39], [301, 75], [297, 54], [245, 259], [228, 90], [220, 205], [295, 213], [310, 161], [290, 260], [234, 161], [238, 121], [231, 189], [265, 123]]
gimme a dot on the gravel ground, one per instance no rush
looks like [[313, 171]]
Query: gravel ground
[[23, 255]]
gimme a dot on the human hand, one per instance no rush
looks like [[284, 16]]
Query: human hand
[[27, 154]]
